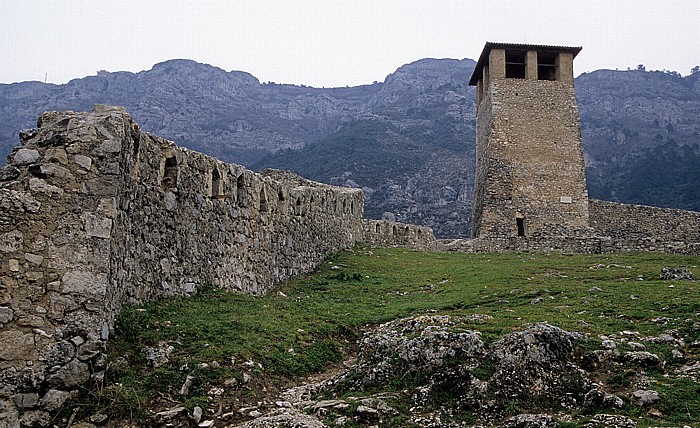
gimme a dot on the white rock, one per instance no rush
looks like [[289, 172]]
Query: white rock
[[197, 414], [25, 157], [83, 161]]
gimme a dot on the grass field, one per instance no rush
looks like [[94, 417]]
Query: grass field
[[312, 322]]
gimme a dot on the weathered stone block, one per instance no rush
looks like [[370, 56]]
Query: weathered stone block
[[40, 186], [17, 345], [99, 227], [26, 401], [72, 374], [83, 161], [56, 154], [25, 157], [85, 283], [34, 259], [53, 400], [11, 241], [6, 314]]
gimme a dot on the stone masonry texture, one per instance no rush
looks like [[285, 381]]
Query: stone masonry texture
[[530, 160], [95, 214], [530, 188]]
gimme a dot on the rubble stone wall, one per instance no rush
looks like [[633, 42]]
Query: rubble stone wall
[[644, 228], [614, 227], [95, 213], [392, 234]]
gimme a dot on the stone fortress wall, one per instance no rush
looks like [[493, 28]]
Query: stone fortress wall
[[385, 233], [95, 213], [629, 227]]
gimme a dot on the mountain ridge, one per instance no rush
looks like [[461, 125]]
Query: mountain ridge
[[407, 141]]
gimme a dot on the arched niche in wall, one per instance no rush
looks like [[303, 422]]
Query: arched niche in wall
[[263, 207], [170, 172], [241, 191], [298, 207], [217, 184]]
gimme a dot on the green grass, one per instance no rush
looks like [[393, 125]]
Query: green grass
[[315, 320]]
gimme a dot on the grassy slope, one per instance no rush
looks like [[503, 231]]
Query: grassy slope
[[320, 317]]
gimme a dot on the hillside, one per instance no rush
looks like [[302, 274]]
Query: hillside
[[641, 136], [412, 151], [407, 141]]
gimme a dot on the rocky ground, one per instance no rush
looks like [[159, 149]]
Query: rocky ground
[[437, 371]]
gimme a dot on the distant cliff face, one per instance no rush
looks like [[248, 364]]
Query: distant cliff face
[[408, 142], [411, 149], [641, 137], [230, 115]]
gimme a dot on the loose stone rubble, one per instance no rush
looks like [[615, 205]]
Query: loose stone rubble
[[669, 273]]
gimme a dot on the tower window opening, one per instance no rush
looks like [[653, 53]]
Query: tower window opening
[[520, 222], [515, 65], [546, 66]]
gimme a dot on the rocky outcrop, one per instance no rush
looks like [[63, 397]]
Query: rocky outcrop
[[441, 370], [640, 135]]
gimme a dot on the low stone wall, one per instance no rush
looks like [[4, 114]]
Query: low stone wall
[[640, 227], [95, 213], [614, 227], [588, 245], [392, 234]]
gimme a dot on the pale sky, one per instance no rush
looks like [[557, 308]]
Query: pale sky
[[332, 42]]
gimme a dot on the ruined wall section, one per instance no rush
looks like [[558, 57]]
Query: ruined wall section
[[644, 228], [392, 234], [95, 213], [614, 228], [58, 203]]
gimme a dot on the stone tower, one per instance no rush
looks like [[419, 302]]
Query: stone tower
[[530, 172]]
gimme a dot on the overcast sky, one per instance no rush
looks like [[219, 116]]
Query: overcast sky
[[332, 42]]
